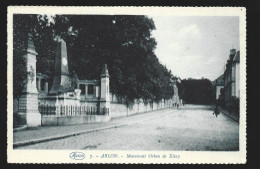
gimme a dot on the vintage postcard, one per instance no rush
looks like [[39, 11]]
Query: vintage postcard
[[133, 85]]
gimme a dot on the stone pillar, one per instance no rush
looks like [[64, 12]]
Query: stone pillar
[[39, 84], [86, 90], [97, 91], [77, 93], [46, 87], [104, 95], [28, 102], [94, 91]]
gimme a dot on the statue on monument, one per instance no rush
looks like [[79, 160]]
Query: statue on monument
[[74, 80]]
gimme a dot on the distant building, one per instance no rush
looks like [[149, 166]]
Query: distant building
[[232, 76], [218, 85]]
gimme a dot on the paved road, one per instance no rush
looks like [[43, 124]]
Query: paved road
[[191, 128]]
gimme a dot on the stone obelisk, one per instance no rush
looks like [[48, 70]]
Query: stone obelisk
[[60, 93], [61, 81], [28, 102]]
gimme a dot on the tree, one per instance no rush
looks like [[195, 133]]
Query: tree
[[44, 32], [197, 91], [22, 25], [124, 43]]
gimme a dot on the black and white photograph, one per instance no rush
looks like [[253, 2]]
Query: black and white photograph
[[135, 83]]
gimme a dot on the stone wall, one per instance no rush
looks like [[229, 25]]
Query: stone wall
[[120, 110], [89, 103], [72, 120]]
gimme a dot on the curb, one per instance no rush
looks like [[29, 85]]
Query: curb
[[20, 128], [45, 139], [237, 120]]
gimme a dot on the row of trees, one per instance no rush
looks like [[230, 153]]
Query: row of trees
[[196, 91], [124, 43]]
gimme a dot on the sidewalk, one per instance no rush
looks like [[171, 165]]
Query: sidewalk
[[47, 133], [231, 115]]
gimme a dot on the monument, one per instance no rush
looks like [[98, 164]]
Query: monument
[[28, 102], [61, 92], [63, 97], [61, 80]]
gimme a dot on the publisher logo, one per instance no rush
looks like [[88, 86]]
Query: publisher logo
[[77, 155]]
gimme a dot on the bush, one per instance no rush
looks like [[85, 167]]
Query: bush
[[233, 105]]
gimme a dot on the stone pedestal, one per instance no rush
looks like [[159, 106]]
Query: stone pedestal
[[68, 98], [105, 105], [28, 110], [31, 117], [62, 99]]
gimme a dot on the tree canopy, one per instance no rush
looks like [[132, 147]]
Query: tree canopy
[[196, 91], [123, 42]]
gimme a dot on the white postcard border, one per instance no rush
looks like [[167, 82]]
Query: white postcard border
[[186, 157]]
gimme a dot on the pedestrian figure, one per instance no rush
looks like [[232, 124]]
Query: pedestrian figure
[[177, 106], [216, 111]]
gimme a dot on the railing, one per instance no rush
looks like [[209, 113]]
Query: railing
[[72, 110]]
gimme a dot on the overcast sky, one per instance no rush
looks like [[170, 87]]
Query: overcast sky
[[195, 46]]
